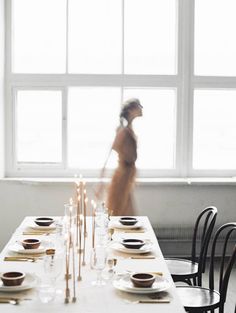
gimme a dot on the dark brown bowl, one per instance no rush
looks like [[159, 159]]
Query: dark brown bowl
[[12, 278], [31, 243], [133, 243], [128, 221], [142, 280], [44, 221]]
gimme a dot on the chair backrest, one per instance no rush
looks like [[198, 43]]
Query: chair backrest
[[225, 267], [204, 225]]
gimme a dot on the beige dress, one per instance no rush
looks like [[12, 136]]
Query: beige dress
[[119, 198]]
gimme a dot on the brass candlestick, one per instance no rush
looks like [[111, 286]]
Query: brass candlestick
[[67, 290], [73, 260], [80, 247], [93, 222], [85, 230]]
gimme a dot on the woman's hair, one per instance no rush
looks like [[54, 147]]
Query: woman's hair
[[127, 107]]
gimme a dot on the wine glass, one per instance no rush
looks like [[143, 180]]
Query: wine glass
[[98, 263]]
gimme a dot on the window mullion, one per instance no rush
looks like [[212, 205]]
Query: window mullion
[[186, 89]]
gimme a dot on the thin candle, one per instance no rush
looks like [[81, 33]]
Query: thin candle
[[85, 231], [67, 291], [73, 264], [77, 219], [85, 213], [93, 222], [80, 246]]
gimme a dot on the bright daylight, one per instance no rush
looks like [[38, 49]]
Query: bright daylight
[[117, 156]]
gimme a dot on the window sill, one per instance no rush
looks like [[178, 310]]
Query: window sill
[[140, 181]]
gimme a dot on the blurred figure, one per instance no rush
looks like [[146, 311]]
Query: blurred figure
[[119, 197]]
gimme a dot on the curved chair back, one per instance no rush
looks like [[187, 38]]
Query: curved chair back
[[206, 219], [225, 269]]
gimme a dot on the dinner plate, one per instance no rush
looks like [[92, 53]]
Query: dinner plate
[[125, 284], [29, 282], [144, 249], [118, 225], [37, 227], [18, 248]]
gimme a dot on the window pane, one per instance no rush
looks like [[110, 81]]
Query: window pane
[[156, 128], [39, 126], [215, 45], [95, 36], [214, 134], [93, 116], [39, 30], [150, 36]]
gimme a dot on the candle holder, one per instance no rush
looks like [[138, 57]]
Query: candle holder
[[70, 218]]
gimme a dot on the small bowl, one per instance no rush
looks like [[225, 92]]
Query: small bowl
[[44, 221], [12, 278], [128, 221], [142, 280], [133, 243], [31, 243]]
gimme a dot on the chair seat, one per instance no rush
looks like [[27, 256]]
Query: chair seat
[[182, 267], [198, 297]]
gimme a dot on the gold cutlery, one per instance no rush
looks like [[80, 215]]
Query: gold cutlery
[[37, 233], [148, 301], [135, 231], [10, 301], [23, 259], [156, 273], [155, 301], [153, 273], [143, 257]]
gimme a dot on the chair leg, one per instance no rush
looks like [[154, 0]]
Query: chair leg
[[188, 281], [194, 281]]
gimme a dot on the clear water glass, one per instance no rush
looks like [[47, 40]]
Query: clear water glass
[[98, 263]]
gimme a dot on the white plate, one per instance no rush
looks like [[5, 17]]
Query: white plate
[[124, 284], [18, 248], [37, 227], [118, 225], [29, 282], [144, 249]]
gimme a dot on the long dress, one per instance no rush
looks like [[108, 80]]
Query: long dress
[[119, 197]]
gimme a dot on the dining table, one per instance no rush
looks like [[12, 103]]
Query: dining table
[[90, 299]]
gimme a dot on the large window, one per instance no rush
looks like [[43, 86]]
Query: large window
[[70, 64]]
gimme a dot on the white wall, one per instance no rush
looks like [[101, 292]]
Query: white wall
[[1, 88], [167, 205]]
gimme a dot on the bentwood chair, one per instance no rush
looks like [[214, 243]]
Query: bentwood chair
[[190, 271], [198, 299]]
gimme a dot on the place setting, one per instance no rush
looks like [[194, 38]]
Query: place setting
[[16, 281], [30, 249], [149, 287], [126, 223], [41, 226], [136, 248]]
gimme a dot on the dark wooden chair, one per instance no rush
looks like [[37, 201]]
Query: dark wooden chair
[[190, 271], [199, 299]]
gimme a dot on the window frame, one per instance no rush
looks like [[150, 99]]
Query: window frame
[[184, 82]]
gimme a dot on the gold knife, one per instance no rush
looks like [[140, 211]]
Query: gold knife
[[143, 257], [155, 301]]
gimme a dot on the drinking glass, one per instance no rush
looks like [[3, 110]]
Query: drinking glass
[[53, 266], [46, 293], [98, 263]]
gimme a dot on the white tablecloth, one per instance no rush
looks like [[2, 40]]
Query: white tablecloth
[[92, 299]]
